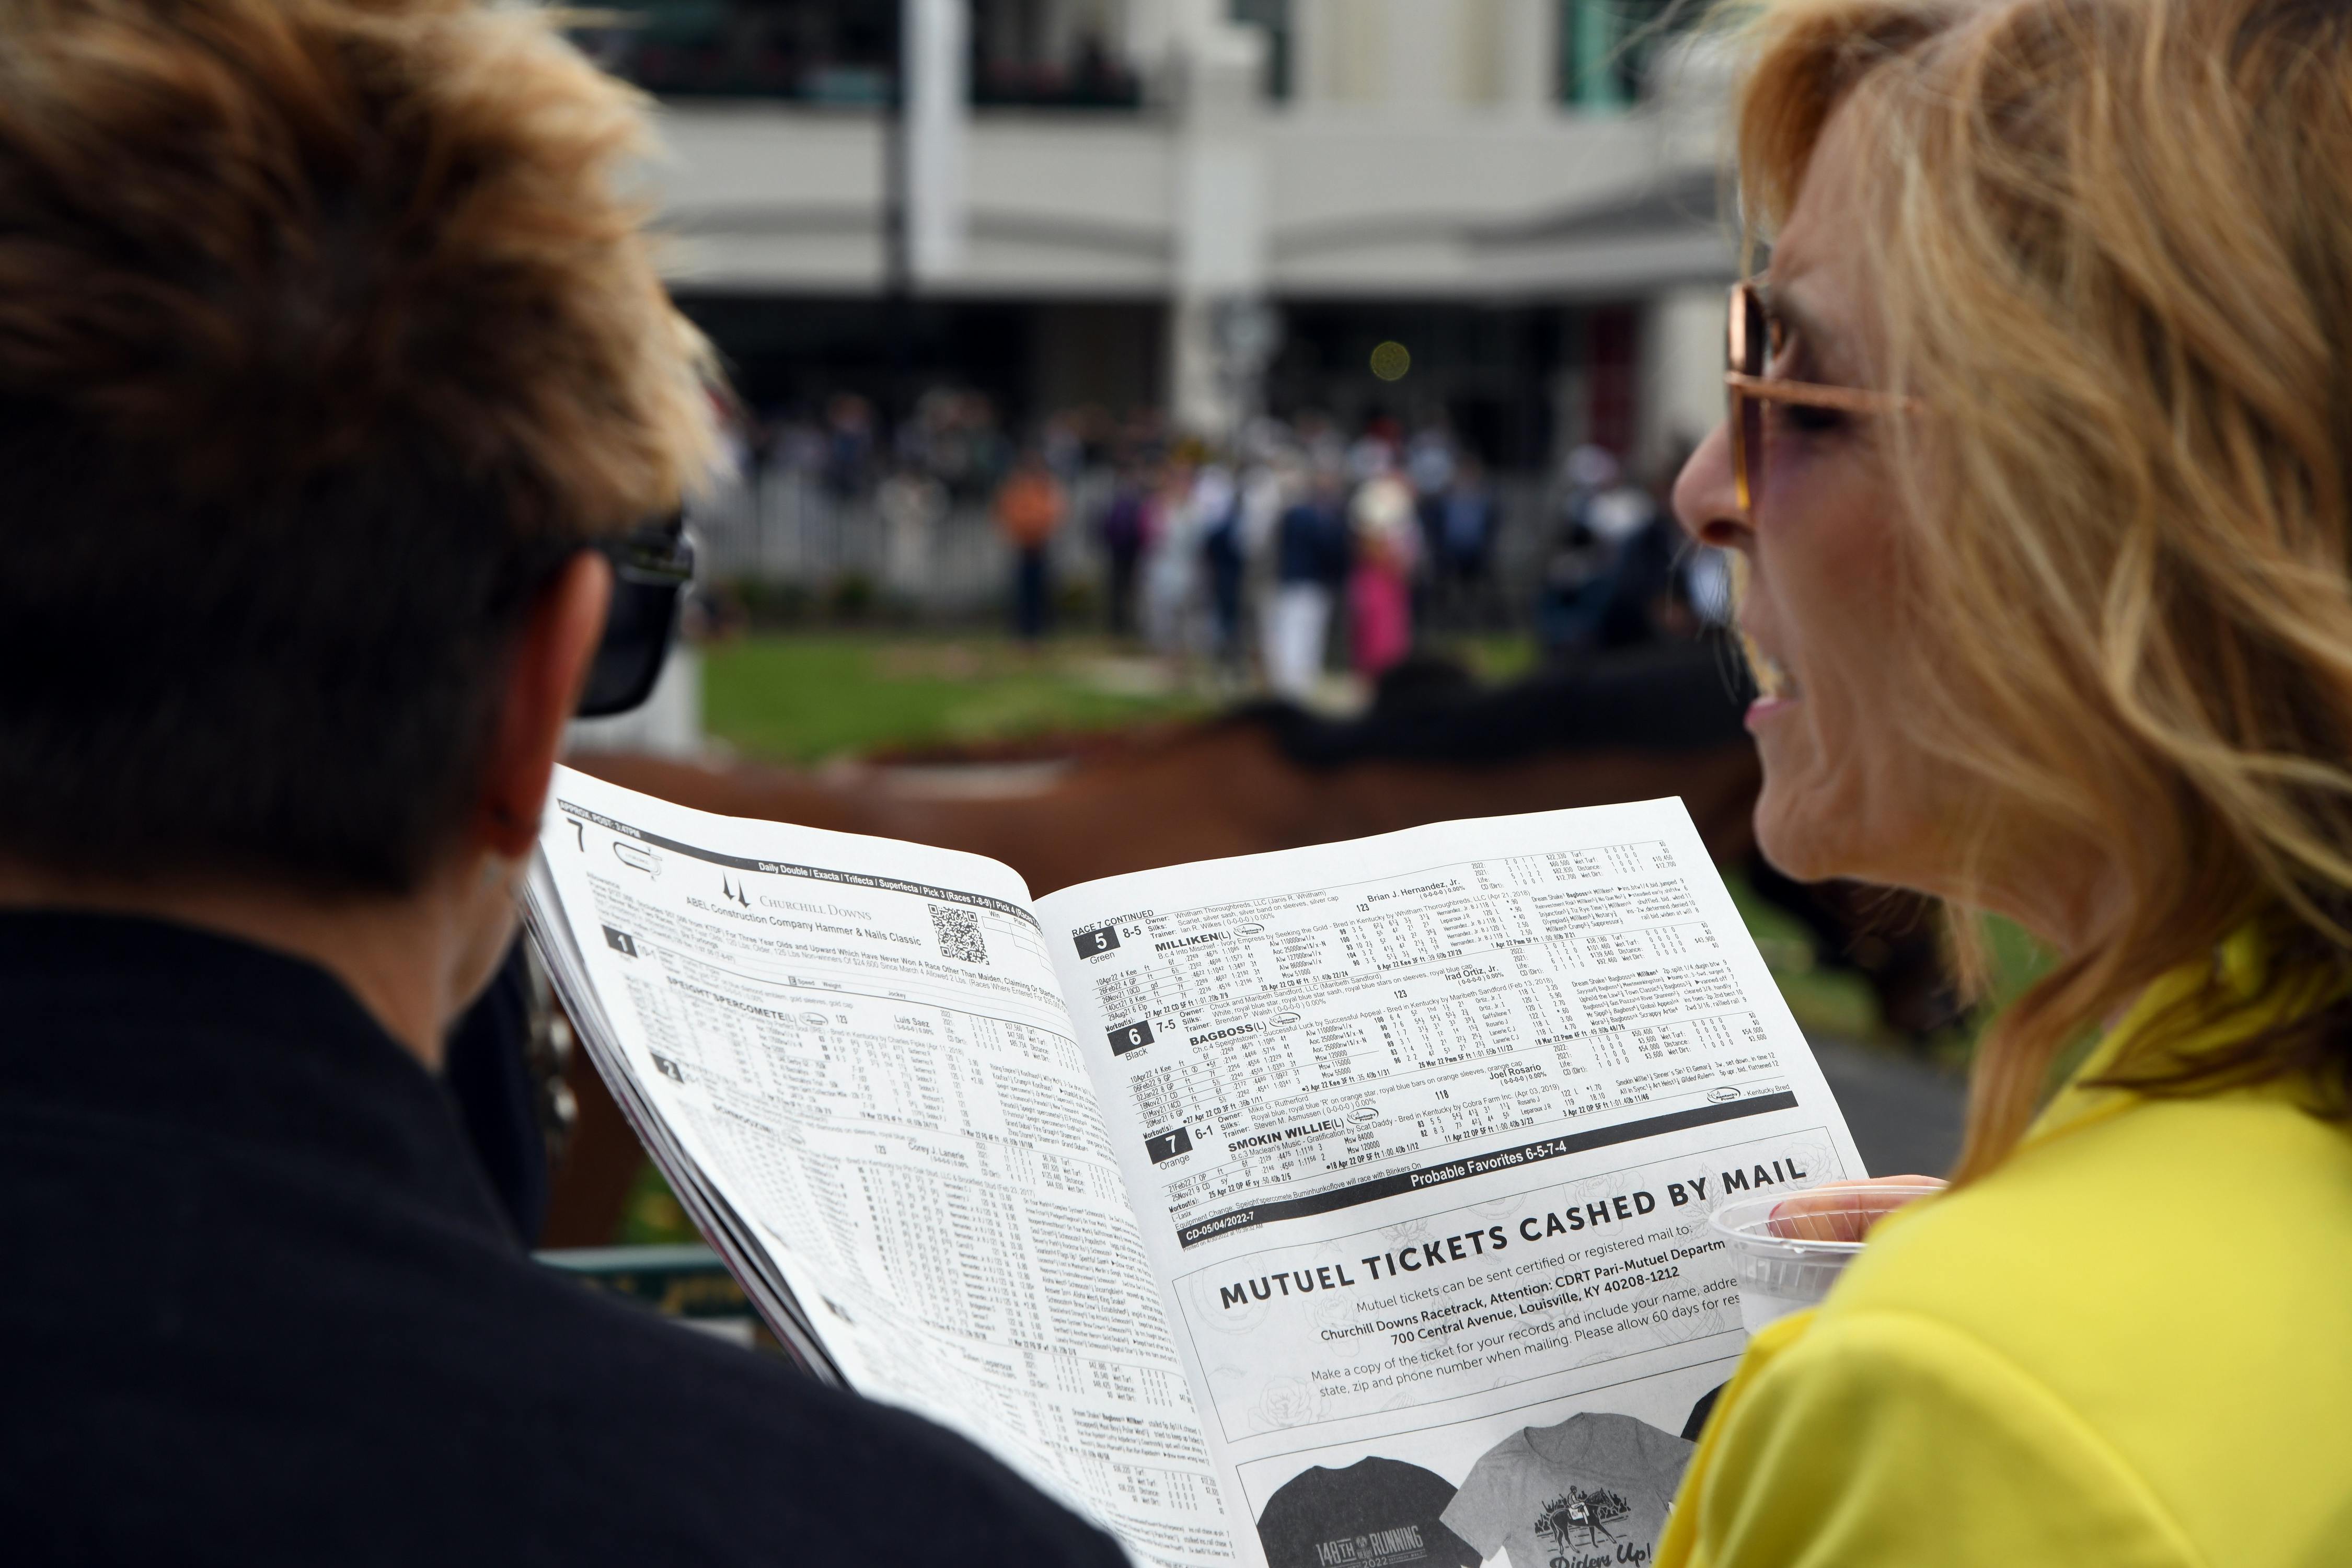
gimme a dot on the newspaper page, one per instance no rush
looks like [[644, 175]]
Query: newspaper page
[[1422, 1132], [860, 1046]]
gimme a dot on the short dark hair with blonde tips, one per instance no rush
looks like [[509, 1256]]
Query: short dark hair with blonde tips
[[327, 331], [2110, 249]]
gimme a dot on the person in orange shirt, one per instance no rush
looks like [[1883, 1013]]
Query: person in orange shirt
[[1029, 509]]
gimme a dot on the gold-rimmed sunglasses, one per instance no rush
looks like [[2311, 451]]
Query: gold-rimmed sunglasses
[[1748, 352]]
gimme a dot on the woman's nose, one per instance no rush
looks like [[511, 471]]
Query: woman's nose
[[1705, 501]]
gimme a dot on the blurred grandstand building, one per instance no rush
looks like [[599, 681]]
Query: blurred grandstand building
[[1201, 207]]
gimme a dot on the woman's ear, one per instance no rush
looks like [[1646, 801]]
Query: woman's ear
[[542, 688]]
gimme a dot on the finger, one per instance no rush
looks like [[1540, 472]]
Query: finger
[[1844, 1211]]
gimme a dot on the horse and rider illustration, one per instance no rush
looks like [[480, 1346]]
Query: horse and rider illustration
[[1580, 1518]]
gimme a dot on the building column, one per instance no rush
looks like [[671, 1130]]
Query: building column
[[1682, 371], [1531, 63], [1146, 28], [1218, 209], [1339, 51], [936, 68]]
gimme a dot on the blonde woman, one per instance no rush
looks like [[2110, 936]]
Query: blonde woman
[[2039, 464]]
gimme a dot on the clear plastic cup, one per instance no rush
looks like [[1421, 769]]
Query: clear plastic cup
[[1779, 1274]]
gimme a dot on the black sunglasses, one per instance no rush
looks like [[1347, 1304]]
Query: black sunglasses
[[651, 566]]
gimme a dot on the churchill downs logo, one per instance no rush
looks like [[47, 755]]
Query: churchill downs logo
[[1580, 1519]]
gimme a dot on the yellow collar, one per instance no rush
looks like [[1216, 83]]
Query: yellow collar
[[2234, 982]]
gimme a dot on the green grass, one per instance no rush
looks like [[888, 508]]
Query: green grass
[[1823, 1001], [2018, 961], [1491, 655], [1840, 1003], [652, 1217], [805, 697]]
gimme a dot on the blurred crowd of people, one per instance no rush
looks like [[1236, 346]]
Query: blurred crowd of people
[[1300, 548]]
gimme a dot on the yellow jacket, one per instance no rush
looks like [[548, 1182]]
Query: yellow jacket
[[2131, 1344]]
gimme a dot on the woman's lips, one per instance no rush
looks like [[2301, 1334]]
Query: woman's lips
[[1765, 709]]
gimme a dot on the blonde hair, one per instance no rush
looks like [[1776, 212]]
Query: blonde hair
[[2111, 249]]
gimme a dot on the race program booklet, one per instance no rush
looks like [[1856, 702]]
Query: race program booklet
[[1342, 1206]]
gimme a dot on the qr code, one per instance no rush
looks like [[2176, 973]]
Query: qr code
[[959, 933]]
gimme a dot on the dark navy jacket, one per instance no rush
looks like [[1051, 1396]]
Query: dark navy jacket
[[261, 1308], [1310, 544]]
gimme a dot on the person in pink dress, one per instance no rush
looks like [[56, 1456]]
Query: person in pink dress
[[1380, 583]]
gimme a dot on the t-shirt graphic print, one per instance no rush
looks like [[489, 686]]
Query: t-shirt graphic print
[[1589, 1491], [1375, 1513]]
